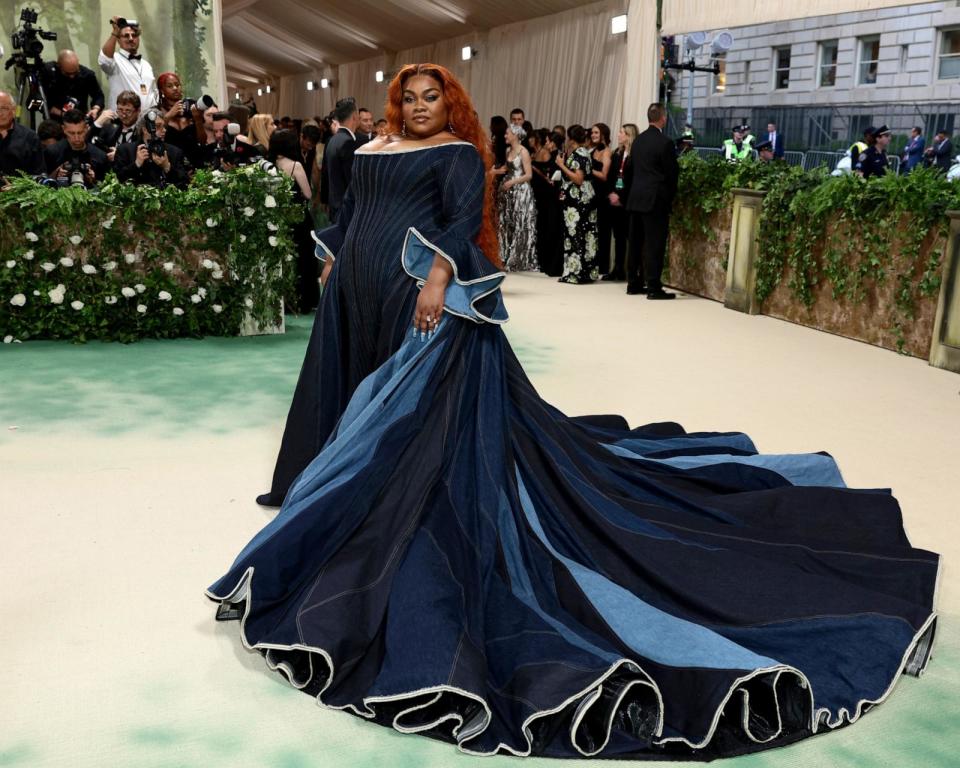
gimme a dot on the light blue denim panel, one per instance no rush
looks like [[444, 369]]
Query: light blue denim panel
[[652, 633], [644, 445]]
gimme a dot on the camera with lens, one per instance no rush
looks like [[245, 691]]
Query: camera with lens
[[27, 42], [105, 137], [76, 169], [155, 145], [122, 22]]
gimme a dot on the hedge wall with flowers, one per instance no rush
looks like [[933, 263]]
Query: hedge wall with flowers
[[126, 262]]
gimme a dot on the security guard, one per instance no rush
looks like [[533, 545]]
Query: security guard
[[765, 151], [739, 148], [873, 160], [859, 147]]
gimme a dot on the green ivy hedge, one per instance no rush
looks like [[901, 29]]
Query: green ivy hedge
[[126, 262], [845, 231]]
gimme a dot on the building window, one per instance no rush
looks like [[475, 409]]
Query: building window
[[949, 65], [904, 56], [746, 76], [781, 68], [869, 60], [828, 64], [718, 81]]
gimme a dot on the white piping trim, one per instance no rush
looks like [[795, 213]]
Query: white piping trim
[[498, 277], [413, 149], [323, 245], [244, 588]]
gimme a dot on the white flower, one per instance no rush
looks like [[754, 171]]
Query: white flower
[[141, 308], [111, 299], [217, 174], [11, 264], [31, 237], [8, 339], [57, 294], [207, 264], [129, 257], [89, 269], [28, 255], [216, 274], [211, 223], [107, 223], [272, 227], [196, 298], [269, 201], [248, 303], [77, 305], [76, 239], [18, 300], [248, 211], [288, 257], [273, 240], [168, 266], [109, 266], [164, 296], [66, 261], [36, 293], [140, 287], [128, 293], [48, 267], [202, 292], [177, 311], [243, 238], [217, 308]]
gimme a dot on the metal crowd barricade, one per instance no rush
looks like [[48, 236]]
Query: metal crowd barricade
[[815, 158], [893, 162], [794, 158], [707, 152]]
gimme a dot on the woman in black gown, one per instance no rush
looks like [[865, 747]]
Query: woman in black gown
[[181, 125], [545, 193], [457, 558]]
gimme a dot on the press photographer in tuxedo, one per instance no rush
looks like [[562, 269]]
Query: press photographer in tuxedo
[[74, 153], [150, 160]]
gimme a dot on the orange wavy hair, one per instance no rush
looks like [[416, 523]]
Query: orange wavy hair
[[465, 123]]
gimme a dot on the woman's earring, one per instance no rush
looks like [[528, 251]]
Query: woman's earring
[[403, 128], [450, 128]]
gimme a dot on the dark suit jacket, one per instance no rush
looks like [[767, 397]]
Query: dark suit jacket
[[84, 88], [943, 155], [57, 154], [777, 144], [338, 159], [125, 165], [655, 172]]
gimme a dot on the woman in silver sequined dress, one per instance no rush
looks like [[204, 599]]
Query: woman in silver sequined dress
[[516, 209]]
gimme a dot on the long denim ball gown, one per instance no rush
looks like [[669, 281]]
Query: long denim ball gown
[[456, 557]]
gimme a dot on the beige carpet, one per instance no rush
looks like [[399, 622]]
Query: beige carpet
[[127, 478]]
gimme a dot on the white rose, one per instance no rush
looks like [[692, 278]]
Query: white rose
[[272, 227], [57, 294], [48, 267], [36, 293], [217, 174], [248, 303], [18, 300], [269, 201], [248, 211], [140, 287], [177, 311], [243, 238], [168, 266], [128, 293], [273, 240], [76, 239], [129, 257], [109, 266], [11, 264], [66, 261], [217, 308], [107, 223], [288, 257], [207, 264], [196, 298], [77, 305], [211, 223], [217, 274], [8, 339], [141, 308], [202, 292], [28, 255], [89, 269], [111, 299], [164, 296], [31, 236]]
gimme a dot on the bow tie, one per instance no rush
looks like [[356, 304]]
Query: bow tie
[[133, 56]]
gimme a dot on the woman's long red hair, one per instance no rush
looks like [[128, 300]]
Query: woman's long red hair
[[465, 123]]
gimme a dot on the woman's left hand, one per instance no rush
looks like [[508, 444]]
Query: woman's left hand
[[429, 308]]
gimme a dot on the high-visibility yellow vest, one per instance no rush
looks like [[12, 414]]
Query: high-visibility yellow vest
[[734, 155]]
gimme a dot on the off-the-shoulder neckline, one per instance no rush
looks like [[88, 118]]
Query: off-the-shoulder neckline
[[415, 149]]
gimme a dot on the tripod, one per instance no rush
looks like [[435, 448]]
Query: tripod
[[30, 93]]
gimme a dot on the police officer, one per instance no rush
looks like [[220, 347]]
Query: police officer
[[859, 147], [765, 151], [873, 160], [739, 148]]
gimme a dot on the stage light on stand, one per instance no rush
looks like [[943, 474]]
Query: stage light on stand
[[618, 24], [722, 43]]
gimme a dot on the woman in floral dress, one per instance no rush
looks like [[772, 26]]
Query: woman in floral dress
[[578, 202]]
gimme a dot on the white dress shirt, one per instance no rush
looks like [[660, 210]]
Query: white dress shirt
[[126, 75]]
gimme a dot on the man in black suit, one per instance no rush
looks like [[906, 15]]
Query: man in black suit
[[655, 174], [75, 153], [136, 163], [70, 85], [940, 153], [338, 156]]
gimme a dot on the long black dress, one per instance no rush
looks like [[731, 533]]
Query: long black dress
[[455, 557], [546, 196]]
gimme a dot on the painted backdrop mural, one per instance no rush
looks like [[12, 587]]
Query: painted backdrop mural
[[177, 35]]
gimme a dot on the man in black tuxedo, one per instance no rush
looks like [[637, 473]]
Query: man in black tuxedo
[[136, 163], [655, 174], [338, 156], [940, 153]]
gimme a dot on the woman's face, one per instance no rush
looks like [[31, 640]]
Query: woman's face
[[424, 108], [512, 138], [595, 135], [171, 89], [622, 137]]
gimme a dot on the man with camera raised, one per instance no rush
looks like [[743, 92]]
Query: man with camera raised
[[126, 70], [19, 146], [150, 160], [73, 158], [70, 85], [113, 128]]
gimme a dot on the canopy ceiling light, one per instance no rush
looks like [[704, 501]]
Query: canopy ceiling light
[[467, 53], [379, 76], [618, 24], [268, 89], [324, 83], [310, 85], [259, 91]]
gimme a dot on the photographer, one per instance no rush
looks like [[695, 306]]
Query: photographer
[[184, 117], [215, 152], [151, 160], [19, 146], [114, 128], [126, 70], [70, 85], [73, 154]]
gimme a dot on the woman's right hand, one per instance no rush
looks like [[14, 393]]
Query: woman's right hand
[[325, 273]]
